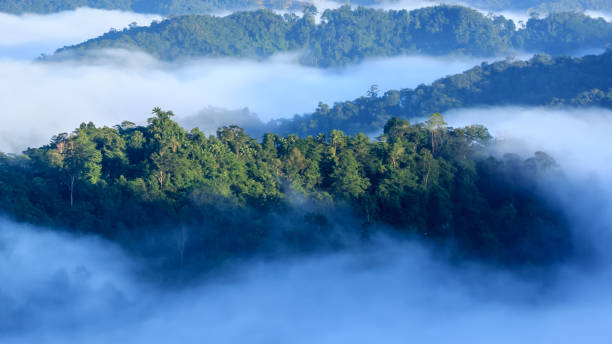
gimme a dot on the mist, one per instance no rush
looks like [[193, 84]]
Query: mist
[[29, 35], [62, 288], [578, 139], [43, 99], [599, 14]]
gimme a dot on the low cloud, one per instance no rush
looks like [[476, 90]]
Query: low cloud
[[29, 35], [42, 99], [579, 140], [599, 14], [392, 292], [211, 118], [61, 288]]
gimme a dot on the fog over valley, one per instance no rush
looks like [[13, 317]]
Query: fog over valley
[[485, 220], [118, 85], [85, 289], [25, 37]]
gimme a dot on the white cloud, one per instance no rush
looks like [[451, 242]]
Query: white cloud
[[42, 99], [576, 137], [389, 292], [59, 288], [599, 14], [27, 36], [579, 140]]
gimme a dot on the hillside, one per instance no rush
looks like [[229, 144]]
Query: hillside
[[129, 182], [348, 36], [164, 7], [544, 6], [541, 81], [177, 7]]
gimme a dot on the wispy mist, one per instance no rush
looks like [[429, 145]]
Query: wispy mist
[[579, 140], [61, 288], [389, 291], [29, 35], [599, 14], [42, 99]]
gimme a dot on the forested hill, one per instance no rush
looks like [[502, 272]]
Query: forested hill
[[201, 6], [164, 7], [348, 35], [542, 5], [228, 195], [541, 81]]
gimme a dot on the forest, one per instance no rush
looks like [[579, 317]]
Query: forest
[[268, 171], [348, 35], [543, 5], [165, 7], [540, 81], [176, 7], [230, 195]]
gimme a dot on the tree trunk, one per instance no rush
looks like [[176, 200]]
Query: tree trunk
[[72, 179], [160, 179]]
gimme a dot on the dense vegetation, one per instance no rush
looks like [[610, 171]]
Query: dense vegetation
[[346, 35], [541, 81], [201, 6], [543, 5], [142, 6], [228, 195]]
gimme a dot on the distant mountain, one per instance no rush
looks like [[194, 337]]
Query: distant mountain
[[348, 35], [543, 5], [541, 81], [177, 7], [164, 7]]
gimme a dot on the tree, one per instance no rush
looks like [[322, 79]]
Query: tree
[[346, 179], [78, 159], [160, 176], [436, 126], [309, 11], [429, 167], [165, 139], [373, 91]]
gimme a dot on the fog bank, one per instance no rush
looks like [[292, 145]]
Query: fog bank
[[599, 14], [579, 140], [388, 292], [61, 288], [29, 35], [43, 99]]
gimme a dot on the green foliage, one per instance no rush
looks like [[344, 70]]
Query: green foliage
[[348, 35], [541, 81], [200, 6], [560, 33], [51, 6], [229, 190], [143, 6], [543, 6]]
